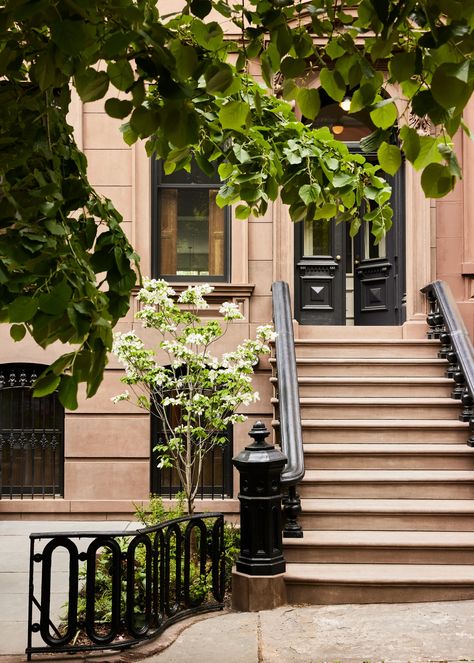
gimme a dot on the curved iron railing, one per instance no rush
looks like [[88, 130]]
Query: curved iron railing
[[445, 323], [148, 579], [288, 405]]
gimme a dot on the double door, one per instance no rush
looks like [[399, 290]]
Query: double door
[[340, 280]]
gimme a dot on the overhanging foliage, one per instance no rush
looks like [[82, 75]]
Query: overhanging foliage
[[64, 277]]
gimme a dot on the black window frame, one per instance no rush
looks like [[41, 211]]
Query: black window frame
[[157, 185], [20, 376]]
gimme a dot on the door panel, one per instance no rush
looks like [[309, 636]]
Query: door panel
[[319, 273], [379, 272], [328, 266]]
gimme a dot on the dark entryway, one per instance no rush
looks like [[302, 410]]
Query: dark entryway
[[342, 281]]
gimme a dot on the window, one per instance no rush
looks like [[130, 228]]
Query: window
[[31, 436], [216, 477], [191, 236]]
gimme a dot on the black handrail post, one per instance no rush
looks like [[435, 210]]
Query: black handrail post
[[446, 324], [257, 581], [291, 439]]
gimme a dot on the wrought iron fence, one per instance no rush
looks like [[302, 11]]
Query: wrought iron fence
[[91, 591]]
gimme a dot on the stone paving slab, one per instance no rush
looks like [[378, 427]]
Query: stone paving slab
[[375, 633]]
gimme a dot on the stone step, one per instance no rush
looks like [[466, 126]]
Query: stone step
[[380, 547], [389, 456], [379, 408], [419, 484], [378, 583], [370, 367], [416, 431], [387, 514], [388, 387], [363, 348]]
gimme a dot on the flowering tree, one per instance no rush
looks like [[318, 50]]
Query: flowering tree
[[207, 390]]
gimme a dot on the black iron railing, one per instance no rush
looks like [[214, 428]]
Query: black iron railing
[[122, 587], [446, 324], [288, 407]]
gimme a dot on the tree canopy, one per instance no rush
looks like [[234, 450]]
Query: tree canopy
[[182, 83]]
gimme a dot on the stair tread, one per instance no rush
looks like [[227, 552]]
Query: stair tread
[[370, 476], [396, 505], [388, 448], [368, 341], [383, 538], [370, 360], [373, 400], [384, 423], [415, 574], [307, 380]]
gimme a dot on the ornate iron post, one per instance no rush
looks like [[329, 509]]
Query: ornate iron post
[[260, 465]]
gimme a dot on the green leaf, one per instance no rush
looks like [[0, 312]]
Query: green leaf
[[242, 212], [242, 155], [46, 385], [56, 301], [411, 142], [235, 115], [91, 84], [402, 66], [292, 67], [22, 309], [128, 134], [309, 102], [201, 8], [327, 211], [186, 58], [68, 392], [384, 115], [72, 37], [17, 332], [309, 193], [389, 157], [218, 78], [436, 180], [144, 121], [225, 170], [334, 50], [333, 83], [449, 86], [118, 108], [121, 74]]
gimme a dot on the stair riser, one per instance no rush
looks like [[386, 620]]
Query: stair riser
[[387, 462], [386, 490], [362, 435], [391, 411], [393, 522], [322, 370], [373, 391], [365, 555], [368, 351], [334, 594]]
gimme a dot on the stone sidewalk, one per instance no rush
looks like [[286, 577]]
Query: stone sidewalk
[[392, 633], [375, 633]]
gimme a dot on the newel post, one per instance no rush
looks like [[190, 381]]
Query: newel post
[[257, 580]]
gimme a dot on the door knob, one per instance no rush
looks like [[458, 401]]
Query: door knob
[[356, 262], [338, 258]]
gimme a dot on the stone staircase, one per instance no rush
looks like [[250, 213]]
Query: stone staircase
[[388, 495]]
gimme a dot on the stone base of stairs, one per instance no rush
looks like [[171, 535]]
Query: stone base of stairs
[[323, 584]]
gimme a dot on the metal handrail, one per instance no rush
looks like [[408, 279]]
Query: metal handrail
[[291, 439], [446, 324]]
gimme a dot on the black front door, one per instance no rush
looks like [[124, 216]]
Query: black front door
[[341, 281]]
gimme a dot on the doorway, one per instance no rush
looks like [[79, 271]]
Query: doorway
[[341, 280]]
